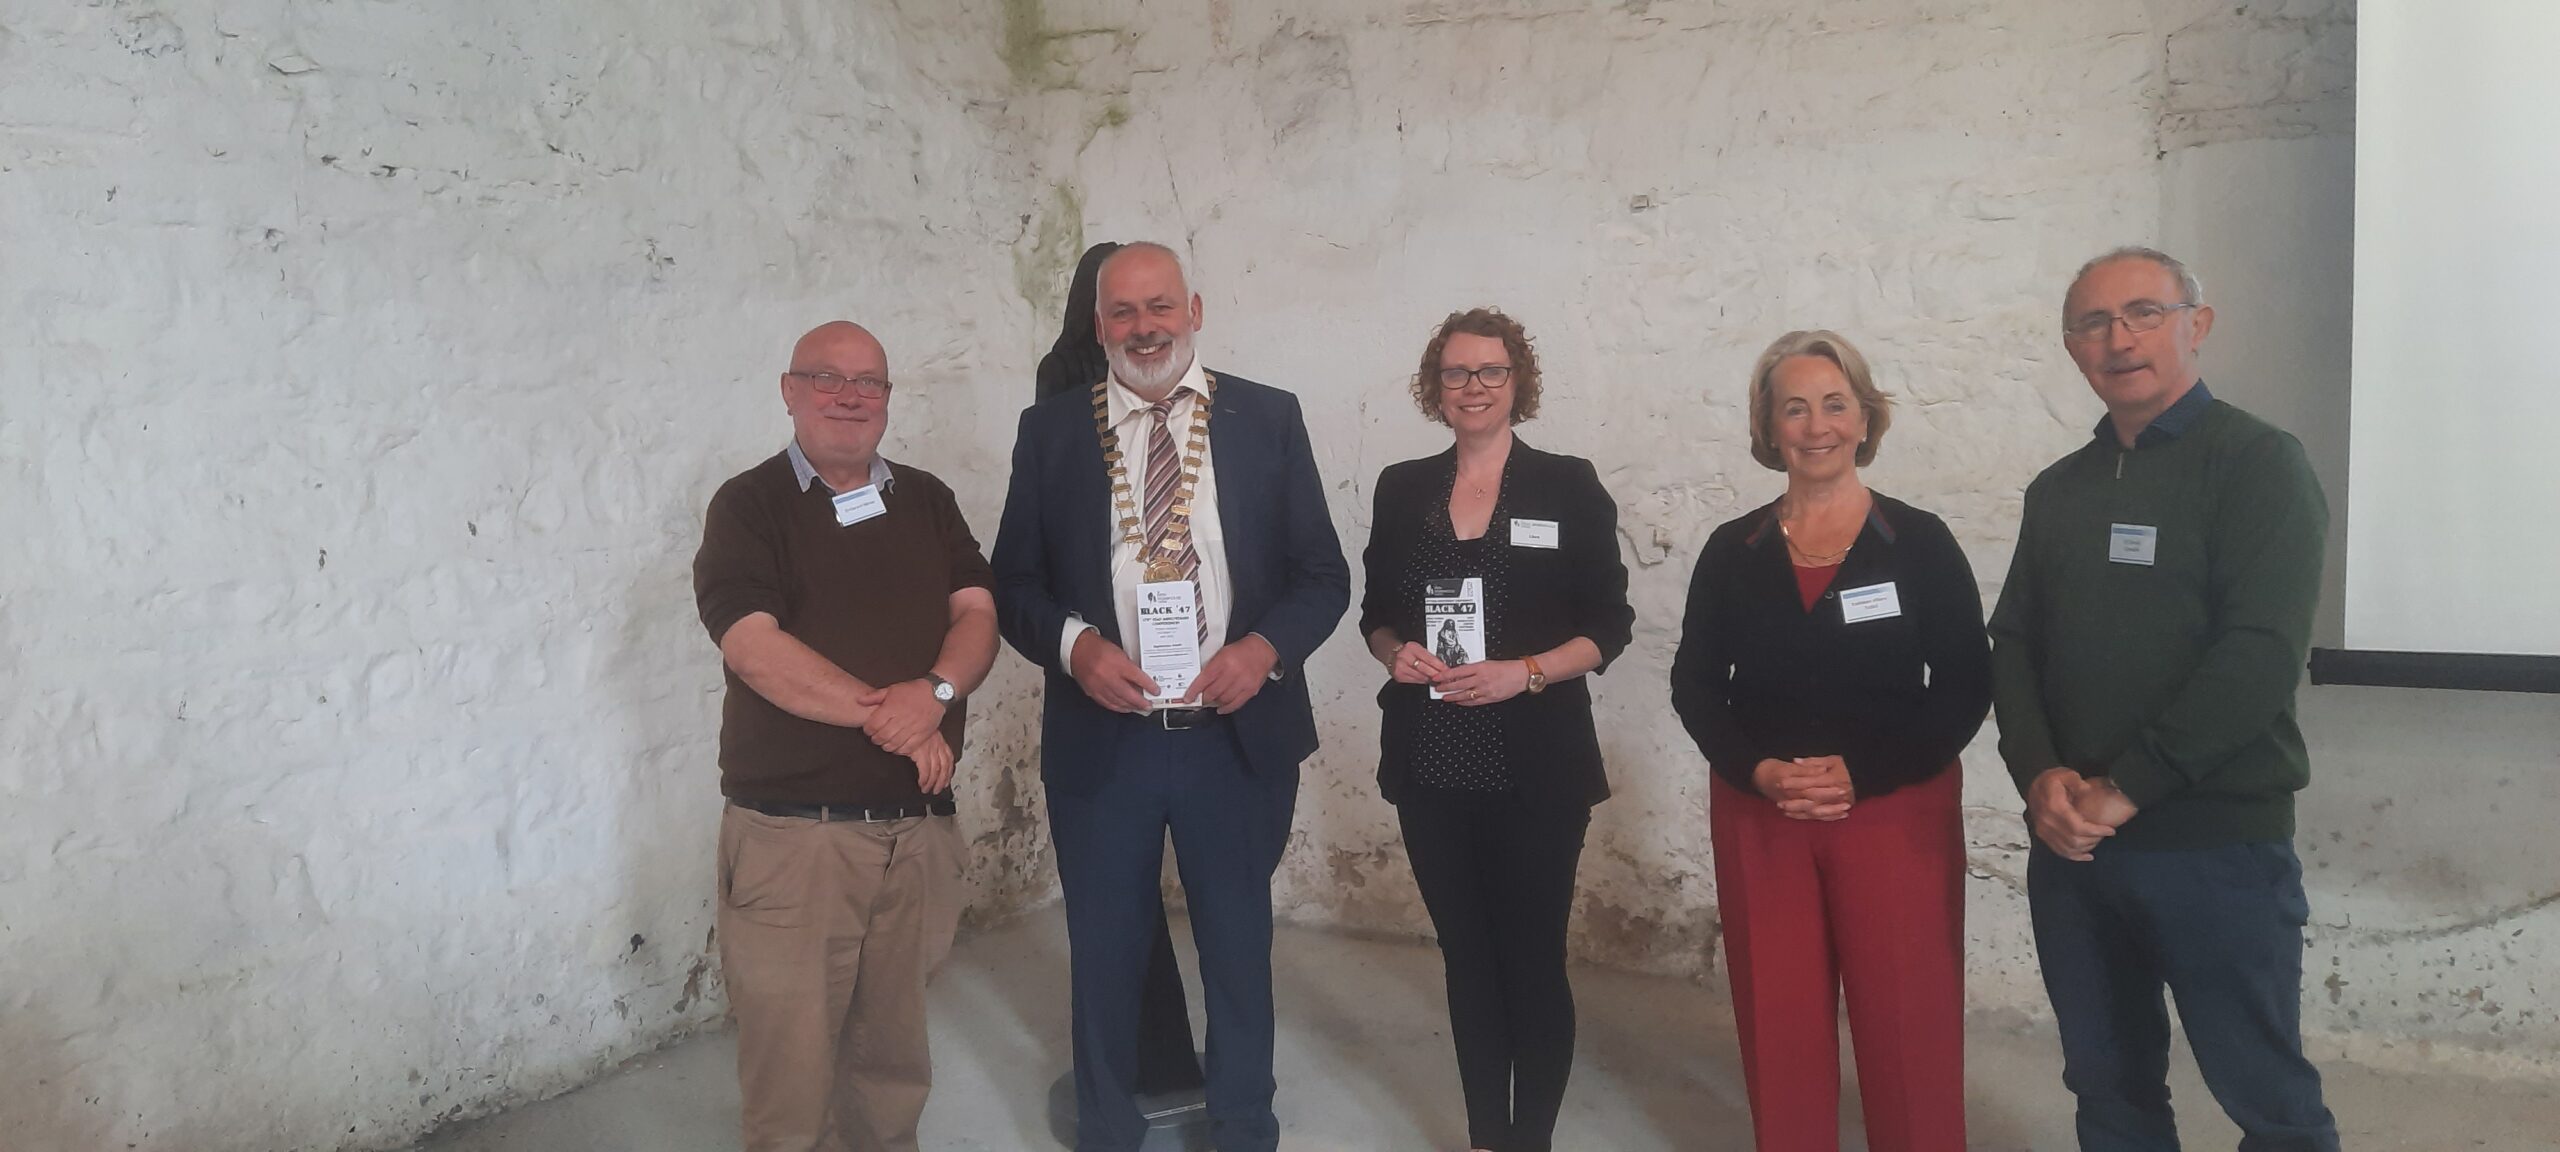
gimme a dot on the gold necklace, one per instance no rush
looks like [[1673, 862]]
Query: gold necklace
[[1812, 558], [1163, 565], [1815, 559]]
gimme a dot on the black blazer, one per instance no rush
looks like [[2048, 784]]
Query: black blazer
[[1760, 678], [1578, 588], [1053, 558]]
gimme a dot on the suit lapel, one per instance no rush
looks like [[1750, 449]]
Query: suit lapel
[[1233, 448], [1090, 520]]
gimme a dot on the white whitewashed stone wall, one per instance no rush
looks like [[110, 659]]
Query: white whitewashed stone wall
[[366, 368], [363, 370]]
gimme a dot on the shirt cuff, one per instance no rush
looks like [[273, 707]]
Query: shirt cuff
[[1278, 673], [1067, 642]]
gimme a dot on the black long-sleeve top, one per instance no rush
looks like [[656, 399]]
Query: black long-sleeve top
[[1577, 588], [1759, 677]]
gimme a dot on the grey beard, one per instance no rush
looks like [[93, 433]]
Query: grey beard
[[1128, 372]]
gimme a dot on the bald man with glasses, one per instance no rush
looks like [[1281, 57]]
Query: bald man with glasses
[[854, 614]]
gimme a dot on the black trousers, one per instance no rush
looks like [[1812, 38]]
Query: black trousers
[[1497, 876]]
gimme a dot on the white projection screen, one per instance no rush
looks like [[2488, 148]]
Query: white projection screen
[[2453, 516]]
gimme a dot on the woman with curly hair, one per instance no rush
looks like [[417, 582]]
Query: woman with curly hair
[[1493, 766]]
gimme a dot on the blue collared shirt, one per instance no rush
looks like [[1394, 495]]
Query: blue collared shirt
[[2167, 426], [808, 473]]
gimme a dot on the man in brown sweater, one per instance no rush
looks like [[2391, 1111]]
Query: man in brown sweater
[[854, 613]]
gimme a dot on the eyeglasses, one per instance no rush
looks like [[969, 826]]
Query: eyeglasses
[[1491, 375], [867, 387], [2139, 316]]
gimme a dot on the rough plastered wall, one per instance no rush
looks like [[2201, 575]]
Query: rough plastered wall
[[1657, 190], [366, 368]]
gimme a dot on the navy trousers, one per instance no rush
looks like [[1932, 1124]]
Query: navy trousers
[[2221, 929], [1229, 827]]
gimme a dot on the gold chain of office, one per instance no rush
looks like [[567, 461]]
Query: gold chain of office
[[1124, 502]]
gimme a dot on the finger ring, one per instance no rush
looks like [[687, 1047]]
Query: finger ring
[[1473, 693]]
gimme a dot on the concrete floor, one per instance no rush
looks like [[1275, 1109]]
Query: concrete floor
[[1364, 1063]]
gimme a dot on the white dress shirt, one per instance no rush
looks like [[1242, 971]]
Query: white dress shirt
[[1128, 413]]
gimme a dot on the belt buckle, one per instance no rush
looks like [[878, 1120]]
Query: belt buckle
[[1182, 719], [869, 817]]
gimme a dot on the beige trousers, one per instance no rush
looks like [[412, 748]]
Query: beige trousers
[[828, 935]]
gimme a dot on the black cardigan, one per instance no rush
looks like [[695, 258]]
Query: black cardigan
[[1578, 588], [1760, 678]]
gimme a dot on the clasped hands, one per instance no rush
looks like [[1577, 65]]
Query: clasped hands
[[1468, 685], [906, 721], [2071, 812], [1229, 681], [1807, 787]]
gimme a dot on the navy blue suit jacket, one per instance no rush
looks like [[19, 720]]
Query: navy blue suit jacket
[[1284, 562]]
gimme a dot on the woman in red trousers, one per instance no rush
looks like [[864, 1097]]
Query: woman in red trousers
[[1832, 665]]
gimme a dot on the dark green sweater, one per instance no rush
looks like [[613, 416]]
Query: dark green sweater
[[2174, 678]]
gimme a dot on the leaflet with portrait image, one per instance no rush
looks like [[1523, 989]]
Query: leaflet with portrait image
[[1453, 621]]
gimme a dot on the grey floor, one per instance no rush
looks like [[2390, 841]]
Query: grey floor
[[1364, 1063]]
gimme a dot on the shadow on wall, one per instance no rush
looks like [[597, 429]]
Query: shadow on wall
[[47, 1096]]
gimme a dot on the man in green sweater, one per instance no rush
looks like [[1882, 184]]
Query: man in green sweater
[[2145, 653]]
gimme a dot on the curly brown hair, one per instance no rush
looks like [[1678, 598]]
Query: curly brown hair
[[1480, 322]]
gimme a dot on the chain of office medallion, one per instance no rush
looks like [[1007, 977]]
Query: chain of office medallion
[[1124, 502]]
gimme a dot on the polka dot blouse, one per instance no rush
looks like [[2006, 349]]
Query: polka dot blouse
[[1455, 746]]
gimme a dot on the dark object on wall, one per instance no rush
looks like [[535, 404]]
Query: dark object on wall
[[1076, 360], [2458, 671]]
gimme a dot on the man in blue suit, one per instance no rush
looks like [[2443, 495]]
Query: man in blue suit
[[1227, 541]]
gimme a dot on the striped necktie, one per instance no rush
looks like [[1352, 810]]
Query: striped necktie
[[1164, 475]]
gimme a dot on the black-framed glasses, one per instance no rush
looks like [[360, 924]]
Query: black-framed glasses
[[2139, 316], [1491, 375], [867, 387]]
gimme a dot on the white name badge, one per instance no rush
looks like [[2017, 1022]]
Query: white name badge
[[2133, 544], [1169, 636], [1873, 602], [1533, 533], [859, 505]]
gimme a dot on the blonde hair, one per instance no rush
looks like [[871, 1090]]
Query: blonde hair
[[1830, 346]]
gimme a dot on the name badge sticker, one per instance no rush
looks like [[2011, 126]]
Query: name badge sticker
[[2133, 544], [1873, 602], [1533, 533], [859, 505]]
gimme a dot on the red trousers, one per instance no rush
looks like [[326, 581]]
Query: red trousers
[[1873, 905]]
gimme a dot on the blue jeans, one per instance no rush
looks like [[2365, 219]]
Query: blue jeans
[[2221, 929]]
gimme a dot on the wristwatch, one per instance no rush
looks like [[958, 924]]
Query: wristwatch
[[1537, 679], [942, 689]]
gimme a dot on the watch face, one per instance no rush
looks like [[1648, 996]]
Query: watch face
[[943, 692]]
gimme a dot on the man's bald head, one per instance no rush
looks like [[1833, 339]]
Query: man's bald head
[[837, 391], [838, 341]]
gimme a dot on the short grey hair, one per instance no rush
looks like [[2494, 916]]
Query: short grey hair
[[2189, 287], [1104, 269]]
